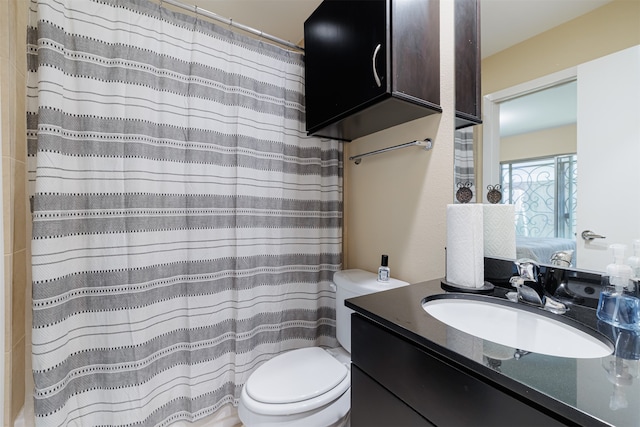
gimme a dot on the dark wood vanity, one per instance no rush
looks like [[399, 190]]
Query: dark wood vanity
[[408, 370], [411, 385]]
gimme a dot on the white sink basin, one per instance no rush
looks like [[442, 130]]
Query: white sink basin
[[517, 326]]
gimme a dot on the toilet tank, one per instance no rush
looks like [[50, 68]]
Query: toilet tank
[[350, 284]]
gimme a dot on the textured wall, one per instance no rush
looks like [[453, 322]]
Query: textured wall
[[395, 203]]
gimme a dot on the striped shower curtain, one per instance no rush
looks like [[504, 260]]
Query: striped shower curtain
[[185, 229], [464, 171]]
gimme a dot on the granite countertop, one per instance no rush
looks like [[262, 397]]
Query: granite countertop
[[579, 389]]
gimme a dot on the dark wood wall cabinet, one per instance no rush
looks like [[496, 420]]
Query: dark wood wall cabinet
[[395, 382], [371, 65], [467, 65]]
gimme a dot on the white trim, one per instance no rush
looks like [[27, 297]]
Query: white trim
[[2, 300], [491, 118]]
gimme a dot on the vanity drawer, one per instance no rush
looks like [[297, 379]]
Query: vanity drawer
[[374, 406], [438, 391]]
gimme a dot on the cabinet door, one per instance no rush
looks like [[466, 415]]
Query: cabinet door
[[415, 50], [346, 47], [467, 42]]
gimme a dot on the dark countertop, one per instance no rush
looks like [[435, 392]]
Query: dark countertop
[[578, 389]]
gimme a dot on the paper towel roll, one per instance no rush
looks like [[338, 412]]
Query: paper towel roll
[[465, 245], [499, 231]]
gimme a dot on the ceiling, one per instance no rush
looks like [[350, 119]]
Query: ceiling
[[504, 23], [549, 108]]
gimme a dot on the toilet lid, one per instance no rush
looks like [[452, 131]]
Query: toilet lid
[[295, 376]]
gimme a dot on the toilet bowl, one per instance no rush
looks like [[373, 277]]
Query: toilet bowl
[[310, 387]]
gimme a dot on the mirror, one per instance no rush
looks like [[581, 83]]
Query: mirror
[[552, 60]]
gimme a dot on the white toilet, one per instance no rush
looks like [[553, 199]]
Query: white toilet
[[310, 387]]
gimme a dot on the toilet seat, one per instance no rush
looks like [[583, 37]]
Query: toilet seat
[[275, 387]]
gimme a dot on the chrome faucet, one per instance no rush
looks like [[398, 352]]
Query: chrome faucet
[[529, 290]]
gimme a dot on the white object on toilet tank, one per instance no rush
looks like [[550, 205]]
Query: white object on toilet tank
[[351, 284]]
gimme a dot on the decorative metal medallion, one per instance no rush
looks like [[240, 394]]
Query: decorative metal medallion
[[464, 193], [494, 195]]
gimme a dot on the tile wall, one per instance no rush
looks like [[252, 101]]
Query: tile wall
[[13, 22]]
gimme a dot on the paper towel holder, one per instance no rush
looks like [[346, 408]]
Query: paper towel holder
[[486, 288]]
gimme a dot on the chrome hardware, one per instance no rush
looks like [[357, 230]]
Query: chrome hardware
[[526, 293], [518, 354], [589, 235], [529, 291], [554, 306], [528, 269], [427, 144], [562, 258], [373, 64]]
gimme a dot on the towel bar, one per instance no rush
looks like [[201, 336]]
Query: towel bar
[[427, 144]]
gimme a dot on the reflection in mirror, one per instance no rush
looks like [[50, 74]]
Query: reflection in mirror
[[464, 171], [575, 196], [588, 190], [538, 169]]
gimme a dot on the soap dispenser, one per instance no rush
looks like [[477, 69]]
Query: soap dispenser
[[634, 261], [622, 366], [618, 304]]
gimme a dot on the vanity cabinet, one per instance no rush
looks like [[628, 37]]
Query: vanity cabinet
[[467, 63], [398, 382], [371, 65]]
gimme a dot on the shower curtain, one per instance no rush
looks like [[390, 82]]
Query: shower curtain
[[185, 229], [464, 171]]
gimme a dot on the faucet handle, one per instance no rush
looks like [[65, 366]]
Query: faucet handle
[[516, 281], [532, 292], [528, 269]]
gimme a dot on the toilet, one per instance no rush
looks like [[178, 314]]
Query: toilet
[[310, 387]]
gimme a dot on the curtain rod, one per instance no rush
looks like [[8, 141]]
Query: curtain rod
[[199, 11]]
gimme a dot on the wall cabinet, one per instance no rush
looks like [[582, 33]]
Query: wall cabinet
[[396, 379], [371, 65], [467, 65]]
